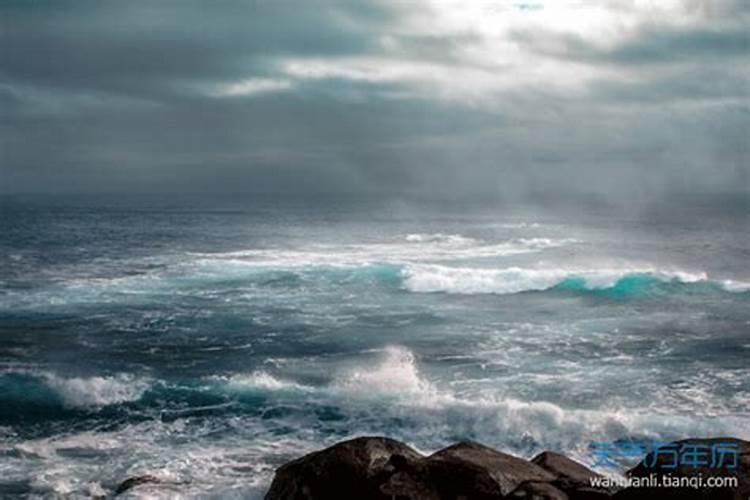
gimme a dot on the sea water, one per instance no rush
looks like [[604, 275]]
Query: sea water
[[209, 342]]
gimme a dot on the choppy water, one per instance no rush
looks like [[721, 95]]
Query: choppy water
[[209, 344]]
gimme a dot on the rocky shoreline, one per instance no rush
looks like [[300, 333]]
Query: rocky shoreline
[[378, 468]]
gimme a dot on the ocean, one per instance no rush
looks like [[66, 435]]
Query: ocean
[[209, 341]]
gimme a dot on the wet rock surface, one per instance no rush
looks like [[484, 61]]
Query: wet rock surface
[[371, 468], [378, 468]]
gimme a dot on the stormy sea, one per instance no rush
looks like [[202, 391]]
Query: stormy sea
[[209, 342]]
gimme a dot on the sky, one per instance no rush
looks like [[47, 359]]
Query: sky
[[507, 99]]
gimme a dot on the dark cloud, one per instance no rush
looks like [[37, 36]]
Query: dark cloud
[[138, 47], [375, 98]]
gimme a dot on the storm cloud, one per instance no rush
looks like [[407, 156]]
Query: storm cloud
[[425, 97]]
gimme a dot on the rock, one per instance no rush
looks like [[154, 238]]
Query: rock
[[472, 470], [378, 468], [571, 477], [539, 491], [134, 481], [366, 468], [564, 468], [661, 468]]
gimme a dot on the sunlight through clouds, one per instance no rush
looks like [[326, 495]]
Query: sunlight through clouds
[[492, 96]]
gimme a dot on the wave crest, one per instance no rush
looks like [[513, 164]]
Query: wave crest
[[73, 392], [259, 380], [463, 280], [455, 239], [394, 375], [97, 391]]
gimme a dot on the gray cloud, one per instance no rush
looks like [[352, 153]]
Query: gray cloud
[[377, 98], [650, 45]]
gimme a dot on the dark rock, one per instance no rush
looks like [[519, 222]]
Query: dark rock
[[571, 477], [538, 491], [384, 469], [134, 481], [353, 469], [564, 468], [472, 470], [376, 468], [659, 466]]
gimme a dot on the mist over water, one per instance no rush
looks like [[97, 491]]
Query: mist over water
[[209, 342]]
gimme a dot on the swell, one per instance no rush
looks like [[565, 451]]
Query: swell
[[228, 276], [28, 396], [387, 394], [611, 282], [31, 396]]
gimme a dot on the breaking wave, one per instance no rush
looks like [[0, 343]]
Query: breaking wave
[[455, 239], [393, 375], [259, 381], [416, 247], [44, 394], [386, 393], [463, 280], [97, 391]]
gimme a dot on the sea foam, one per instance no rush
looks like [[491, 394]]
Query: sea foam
[[259, 380], [49, 388], [393, 375], [96, 391], [468, 280]]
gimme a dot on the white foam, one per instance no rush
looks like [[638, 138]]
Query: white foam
[[49, 447], [492, 414], [436, 413], [416, 248], [465, 280], [735, 286], [236, 456], [189, 460], [393, 375], [454, 239], [435, 278], [260, 380], [96, 391]]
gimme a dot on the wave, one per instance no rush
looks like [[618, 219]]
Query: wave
[[97, 391], [40, 389], [735, 286], [389, 376], [455, 239], [201, 273], [258, 381], [387, 393], [416, 247], [214, 276], [393, 375], [426, 278]]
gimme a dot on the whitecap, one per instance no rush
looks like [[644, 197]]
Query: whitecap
[[259, 380], [393, 375], [453, 239], [466, 280], [96, 391], [735, 286], [416, 248]]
